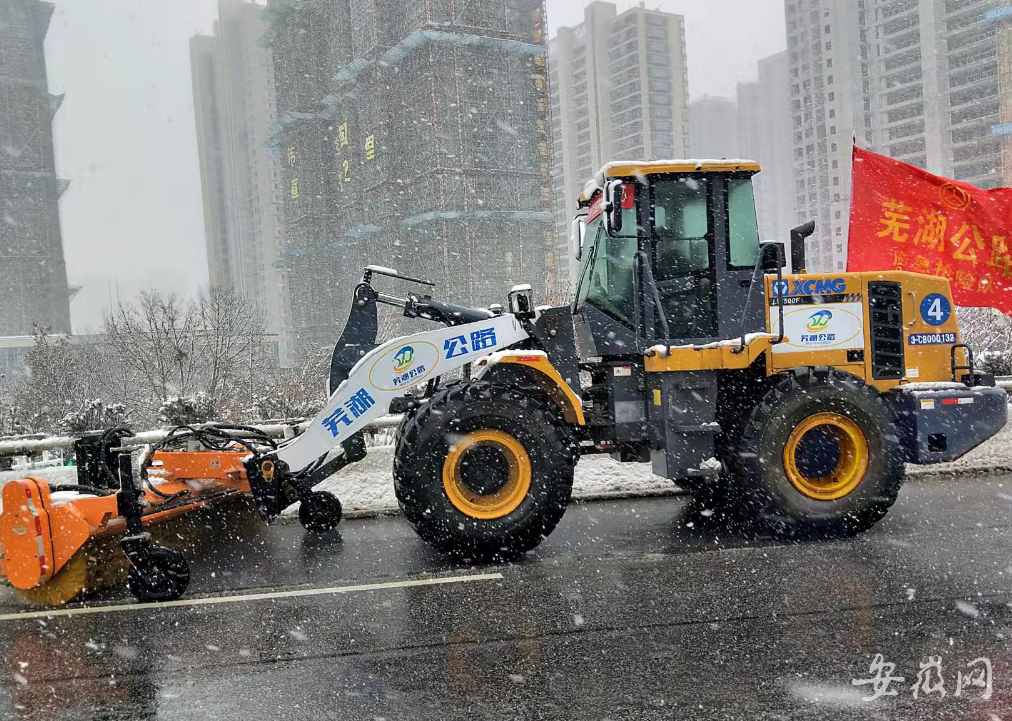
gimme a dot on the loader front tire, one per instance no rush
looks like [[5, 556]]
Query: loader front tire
[[818, 456], [483, 470]]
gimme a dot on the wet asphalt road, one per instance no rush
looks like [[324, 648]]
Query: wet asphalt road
[[636, 609]]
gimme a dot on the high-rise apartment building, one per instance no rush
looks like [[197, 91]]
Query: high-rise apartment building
[[713, 128], [830, 104], [413, 134], [917, 80], [33, 273], [764, 134], [234, 102], [1001, 17], [935, 86], [619, 91]]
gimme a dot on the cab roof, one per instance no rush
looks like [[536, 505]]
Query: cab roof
[[626, 168]]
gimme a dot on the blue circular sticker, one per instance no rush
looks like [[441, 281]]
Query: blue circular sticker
[[935, 309]]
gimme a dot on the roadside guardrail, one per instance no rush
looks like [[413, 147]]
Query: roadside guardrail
[[34, 445]]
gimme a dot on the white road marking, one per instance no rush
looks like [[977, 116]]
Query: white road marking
[[214, 600]]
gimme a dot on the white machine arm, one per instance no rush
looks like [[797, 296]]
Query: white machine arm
[[387, 372]]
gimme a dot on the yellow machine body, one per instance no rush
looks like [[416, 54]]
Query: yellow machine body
[[843, 341]]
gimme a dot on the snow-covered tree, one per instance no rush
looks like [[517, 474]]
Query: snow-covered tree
[[61, 378], [187, 410], [989, 333], [298, 392], [94, 415], [212, 350]]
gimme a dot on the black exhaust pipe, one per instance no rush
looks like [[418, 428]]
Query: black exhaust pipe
[[798, 236]]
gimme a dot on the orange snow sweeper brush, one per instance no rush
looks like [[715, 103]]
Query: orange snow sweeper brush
[[62, 542]]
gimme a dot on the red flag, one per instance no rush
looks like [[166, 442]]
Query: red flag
[[904, 218]]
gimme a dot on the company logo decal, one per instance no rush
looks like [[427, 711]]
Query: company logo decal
[[403, 359], [819, 321], [404, 366], [825, 286], [829, 326]]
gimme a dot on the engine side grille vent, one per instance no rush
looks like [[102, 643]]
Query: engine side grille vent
[[885, 308]]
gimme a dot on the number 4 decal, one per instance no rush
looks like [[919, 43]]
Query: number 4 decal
[[936, 309]]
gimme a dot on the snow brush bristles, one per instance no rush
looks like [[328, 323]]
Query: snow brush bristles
[[96, 566]]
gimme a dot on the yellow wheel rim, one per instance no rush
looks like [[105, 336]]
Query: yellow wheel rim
[[850, 467], [507, 483]]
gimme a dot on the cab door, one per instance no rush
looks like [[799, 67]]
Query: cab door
[[704, 245], [605, 308], [682, 231]]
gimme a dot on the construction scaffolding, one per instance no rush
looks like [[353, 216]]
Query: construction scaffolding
[[423, 143], [33, 274]]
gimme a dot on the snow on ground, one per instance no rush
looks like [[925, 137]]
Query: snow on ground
[[367, 487], [994, 455]]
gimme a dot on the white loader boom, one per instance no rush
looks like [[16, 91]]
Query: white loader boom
[[387, 372]]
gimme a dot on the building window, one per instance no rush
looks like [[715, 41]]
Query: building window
[[832, 97], [829, 80], [832, 113]]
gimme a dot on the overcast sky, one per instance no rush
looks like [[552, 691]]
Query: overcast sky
[[125, 135]]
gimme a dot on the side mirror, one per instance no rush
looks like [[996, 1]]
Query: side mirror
[[576, 236], [521, 302], [614, 196]]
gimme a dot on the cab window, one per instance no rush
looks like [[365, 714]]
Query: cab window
[[743, 229], [606, 276], [682, 255], [593, 229], [681, 225]]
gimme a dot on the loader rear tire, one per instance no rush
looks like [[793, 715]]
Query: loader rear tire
[[818, 456], [484, 471]]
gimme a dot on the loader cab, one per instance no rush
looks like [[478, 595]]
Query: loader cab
[[667, 255]]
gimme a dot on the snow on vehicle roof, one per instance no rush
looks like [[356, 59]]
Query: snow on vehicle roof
[[625, 168]]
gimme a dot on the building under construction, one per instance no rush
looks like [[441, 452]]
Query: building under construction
[[33, 275], [413, 134]]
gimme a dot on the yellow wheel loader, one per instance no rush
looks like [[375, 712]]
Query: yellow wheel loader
[[796, 398]]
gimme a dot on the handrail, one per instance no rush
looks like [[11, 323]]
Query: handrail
[[756, 274], [32, 447], [644, 261]]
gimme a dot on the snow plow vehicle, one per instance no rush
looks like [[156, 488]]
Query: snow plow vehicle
[[794, 398]]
